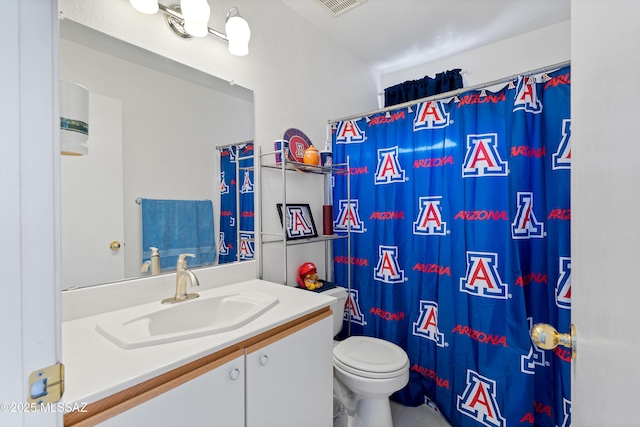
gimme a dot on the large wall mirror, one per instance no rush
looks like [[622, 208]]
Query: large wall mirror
[[154, 125]]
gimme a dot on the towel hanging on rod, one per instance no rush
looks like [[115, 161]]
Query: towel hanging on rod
[[177, 227]]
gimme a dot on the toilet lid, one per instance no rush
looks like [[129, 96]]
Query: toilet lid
[[370, 357]]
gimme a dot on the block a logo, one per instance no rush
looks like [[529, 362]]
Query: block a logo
[[536, 357], [224, 188], [233, 155], [482, 277], [429, 221], [430, 115], [246, 246], [388, 169], [478, 401], [482, 157], [352, 307], [525, 225], [563, 289], [561, 159], [348, 217], [527, 96], [388, 268], [348, 132], [566, 409], [247, 185], [223, 249], [298, 224], [427, 324]]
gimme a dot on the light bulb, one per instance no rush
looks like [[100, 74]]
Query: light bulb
[[196, 17], [238, 33], [145, 6]]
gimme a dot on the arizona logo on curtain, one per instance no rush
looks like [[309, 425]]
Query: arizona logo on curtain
[[236, 237], [459, 214]]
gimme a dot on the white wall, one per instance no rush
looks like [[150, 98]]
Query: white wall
[[546, 46], [299, 78]]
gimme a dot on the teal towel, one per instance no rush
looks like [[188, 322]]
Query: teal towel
[[178, 227]]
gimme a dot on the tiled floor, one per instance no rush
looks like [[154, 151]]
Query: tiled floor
[[420, 416]]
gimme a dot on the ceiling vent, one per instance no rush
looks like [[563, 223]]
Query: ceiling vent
[[338, 7]]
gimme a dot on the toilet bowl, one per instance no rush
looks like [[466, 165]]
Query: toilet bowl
[[366, 371]]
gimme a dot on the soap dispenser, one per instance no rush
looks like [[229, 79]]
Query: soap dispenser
[[154, 262]]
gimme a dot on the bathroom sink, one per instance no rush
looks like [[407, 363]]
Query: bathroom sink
[[190, 319]]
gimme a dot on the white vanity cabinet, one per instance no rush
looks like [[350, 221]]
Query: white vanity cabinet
[[278, 378], [290, 379], [215, 398]]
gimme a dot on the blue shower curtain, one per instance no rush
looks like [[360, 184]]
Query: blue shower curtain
[[232, 157], [459, 217]]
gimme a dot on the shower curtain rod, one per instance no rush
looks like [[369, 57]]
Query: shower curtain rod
[[220, 147], [456, 92]]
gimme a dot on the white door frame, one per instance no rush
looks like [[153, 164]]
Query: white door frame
[[30, 212]]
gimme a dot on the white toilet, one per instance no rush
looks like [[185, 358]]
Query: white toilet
[[366, 371]]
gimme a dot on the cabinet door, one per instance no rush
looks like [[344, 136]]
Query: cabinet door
[[215, 398], [290, 378]]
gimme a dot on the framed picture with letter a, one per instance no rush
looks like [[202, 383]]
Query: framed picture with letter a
[[299, 221]]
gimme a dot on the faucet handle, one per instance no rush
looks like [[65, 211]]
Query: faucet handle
[[182, 261]]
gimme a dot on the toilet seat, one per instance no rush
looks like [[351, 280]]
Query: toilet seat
[[370, 357]]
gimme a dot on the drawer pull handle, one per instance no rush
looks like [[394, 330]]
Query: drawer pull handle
[[264, 360]]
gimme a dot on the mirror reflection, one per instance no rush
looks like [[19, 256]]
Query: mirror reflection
[[157, 129]]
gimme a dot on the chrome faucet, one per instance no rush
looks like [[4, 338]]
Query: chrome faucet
[[182, 276]]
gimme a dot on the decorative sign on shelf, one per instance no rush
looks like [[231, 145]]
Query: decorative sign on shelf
[[299, 221]]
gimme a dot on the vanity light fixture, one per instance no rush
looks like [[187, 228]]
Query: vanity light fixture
[[190, 19]]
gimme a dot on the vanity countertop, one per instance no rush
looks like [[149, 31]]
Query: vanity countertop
[[96, 368]]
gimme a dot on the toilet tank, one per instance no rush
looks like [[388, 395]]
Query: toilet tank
[[337, 307]]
